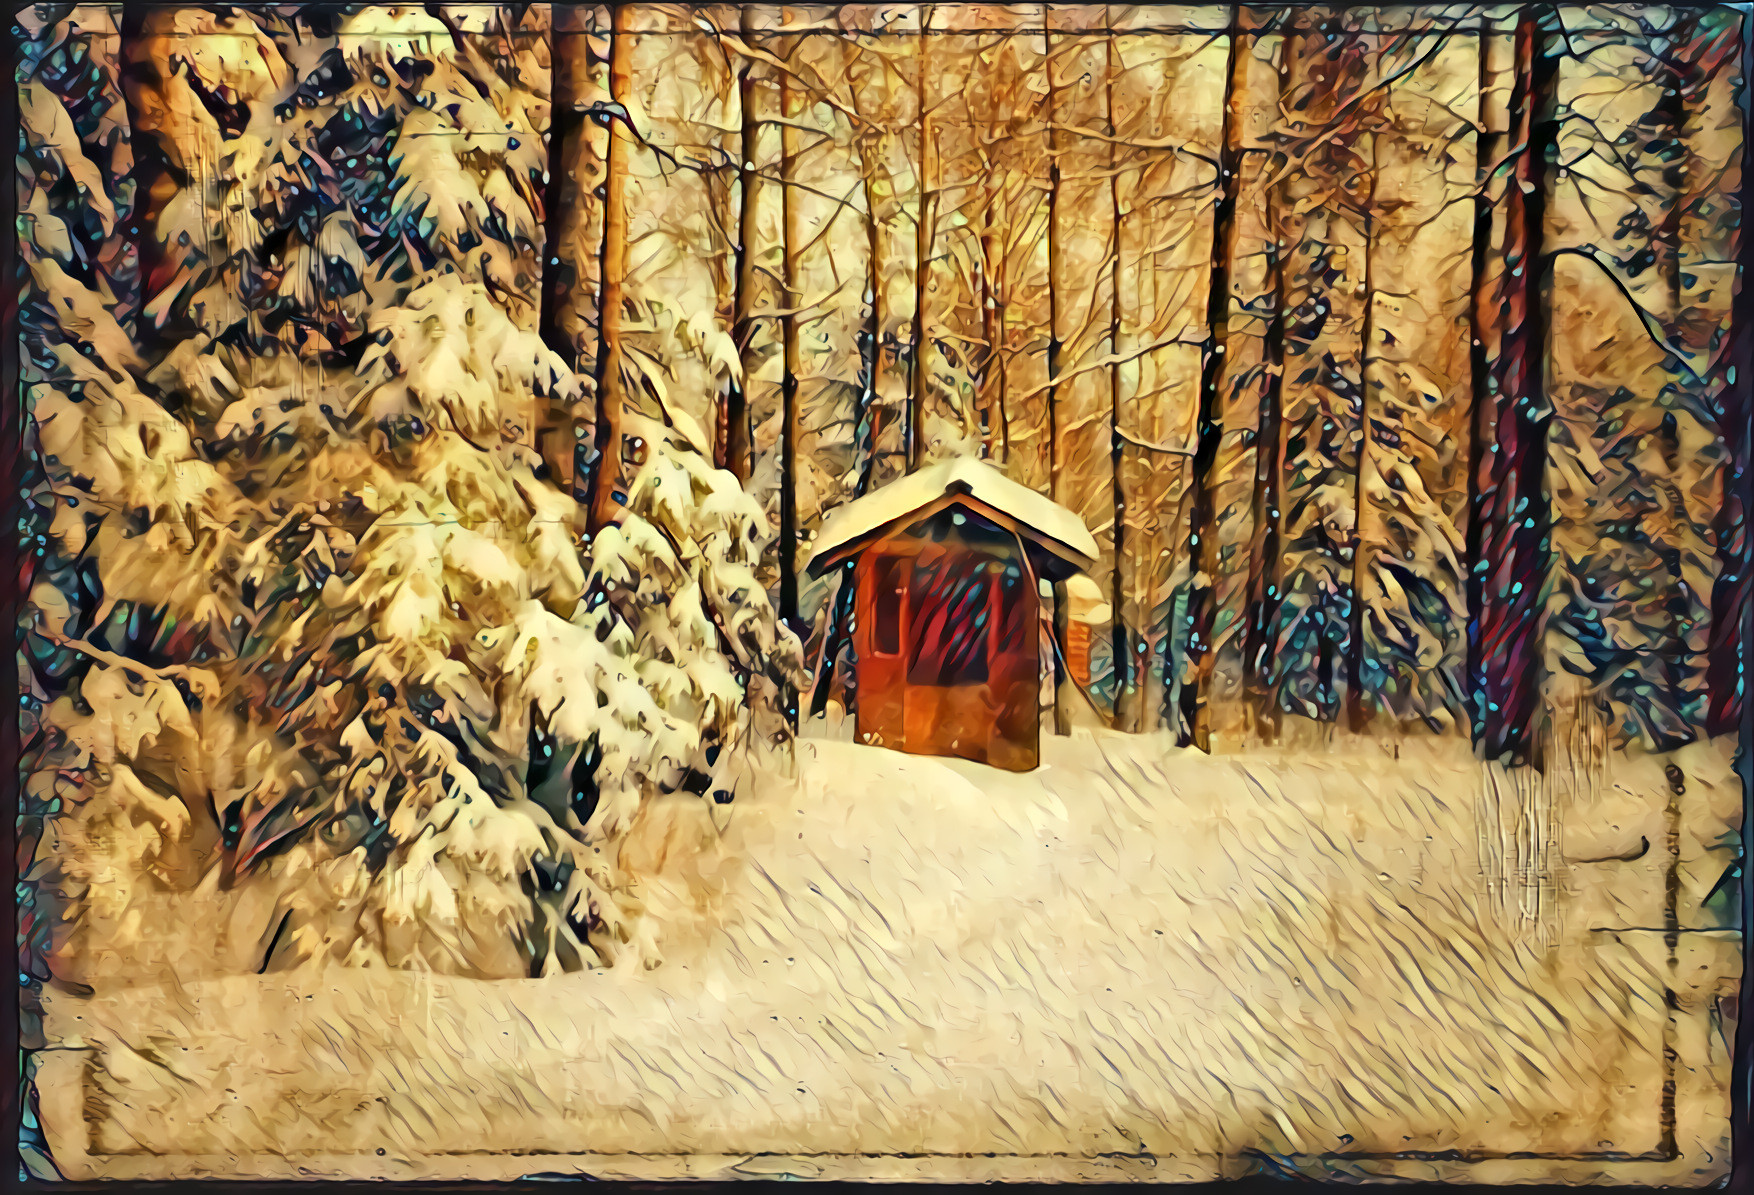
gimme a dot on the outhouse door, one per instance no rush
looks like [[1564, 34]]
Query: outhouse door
[[882, 645], [947, 654]]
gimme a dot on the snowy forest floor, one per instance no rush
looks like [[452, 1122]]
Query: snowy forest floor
[[1135, 962]]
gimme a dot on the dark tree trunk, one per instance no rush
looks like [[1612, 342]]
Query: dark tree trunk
[[923, 239], [1263, 600], [1202, 543], [1729, 669], [1510, 513], [1062, 715], [556, 440], [1357, 707], [792, 240], [869, 427], [734, 446], [1127, 713]]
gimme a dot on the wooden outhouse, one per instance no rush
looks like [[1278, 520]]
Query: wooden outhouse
[[949, 566]]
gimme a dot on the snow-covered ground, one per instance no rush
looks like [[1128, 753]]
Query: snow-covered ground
[[1134, 962]]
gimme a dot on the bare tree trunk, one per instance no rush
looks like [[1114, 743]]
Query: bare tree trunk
[[870, 416], [606, 467], [989, 385], [1356, 712], [1194, 728], [1062, 710], [1732, 602], [1126, 714], [1264, 595], [923, 242], [1510, 513], [1054, 247], [792, 240], [735, 450], [562, 212]]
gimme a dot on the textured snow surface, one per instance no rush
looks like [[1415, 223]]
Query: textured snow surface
[[1134, 962]]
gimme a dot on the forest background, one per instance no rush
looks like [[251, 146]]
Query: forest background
[[1390, 354]]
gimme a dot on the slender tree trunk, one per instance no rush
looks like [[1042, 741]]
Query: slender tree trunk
[[1356, 706], [987, 386], [1510, 522], [1053, 247], [1062, 710], [792, 241], [554, 436], [563, 128], [1498, 229], [1126, 715], [870, 412], [839, 621], [606, 467], [999, 294], [1730, 669], [735, 449], [1193, 728], [924, 237], [1264, 595]]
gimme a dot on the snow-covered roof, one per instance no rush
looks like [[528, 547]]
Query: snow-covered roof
[[1039, 515], [1084, 601]]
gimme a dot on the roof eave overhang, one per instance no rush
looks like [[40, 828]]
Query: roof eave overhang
[[1062, 559]]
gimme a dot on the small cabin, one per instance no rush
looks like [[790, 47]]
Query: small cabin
[[949, 567]]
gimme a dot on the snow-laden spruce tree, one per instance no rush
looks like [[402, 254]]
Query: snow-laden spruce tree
[[77, 279], [427, 709]]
